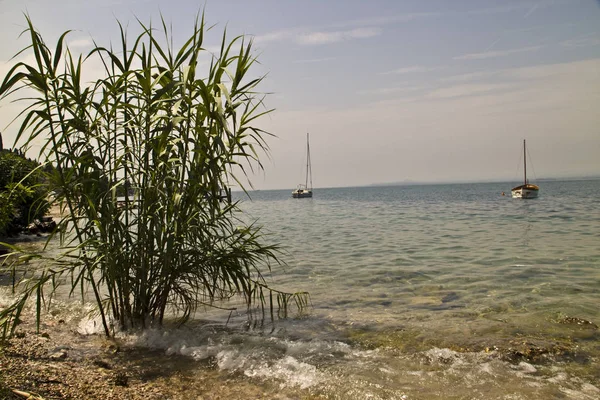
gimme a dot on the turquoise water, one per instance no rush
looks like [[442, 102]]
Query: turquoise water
[[418, 292], [386, 254], [407, 270]]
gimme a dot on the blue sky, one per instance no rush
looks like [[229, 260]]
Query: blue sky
[[389, 90]]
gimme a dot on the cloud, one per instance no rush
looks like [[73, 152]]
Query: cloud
[[408, 70], [80, 43], [528, 6], [497, 53], [471, 76], [466, 90], [314, 60], [591, 39], [319, 38], [394, 90], [588, 68], [531, 10], [276, 36], [384, 20], [525, 73]]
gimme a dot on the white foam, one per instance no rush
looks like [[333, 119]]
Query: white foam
[[527, 368], [560, 377], [288, 370], [591, 389], [255, 356], [199, 352], [68, 311]]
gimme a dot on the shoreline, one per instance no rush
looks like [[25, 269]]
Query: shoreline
[[61, 363]]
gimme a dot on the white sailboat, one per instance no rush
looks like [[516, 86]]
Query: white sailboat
[[526, 190], [303, 190]]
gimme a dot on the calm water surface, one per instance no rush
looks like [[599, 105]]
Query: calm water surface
[[432, 253], [421, 270]]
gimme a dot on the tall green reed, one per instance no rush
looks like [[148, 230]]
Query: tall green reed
[[171, 140]]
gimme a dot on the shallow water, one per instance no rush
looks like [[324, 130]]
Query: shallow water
[[418, 292], [423, 268]]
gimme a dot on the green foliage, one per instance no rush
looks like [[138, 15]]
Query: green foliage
[[16, 168], [176, 137], [23, 194], [7, 209]]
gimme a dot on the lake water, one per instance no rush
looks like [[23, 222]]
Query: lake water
[[419, 292]]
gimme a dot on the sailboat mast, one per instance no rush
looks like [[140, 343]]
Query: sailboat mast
[[524, 163], [307, 161]]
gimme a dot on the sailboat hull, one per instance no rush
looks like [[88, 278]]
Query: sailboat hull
[[527, 191], [301, 194]]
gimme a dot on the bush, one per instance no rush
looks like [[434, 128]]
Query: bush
[[23, 192], [6, 212], [176, 138]]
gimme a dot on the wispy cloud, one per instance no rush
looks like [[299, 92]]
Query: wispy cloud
[[471, 76], [314, 60], [500, 9], [334, 32], [394, 90], [529, 7], [518, 75], [384, 20], [409, 70], [590, 39], [497, 53], [466, 90], [275, 36], [532, 9], [319, 38]]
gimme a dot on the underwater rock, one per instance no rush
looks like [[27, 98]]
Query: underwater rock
[[452, 296], [120, 379], [425, 301], [538, 351], [578, 321]]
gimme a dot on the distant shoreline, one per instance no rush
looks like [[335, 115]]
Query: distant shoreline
[[422, 183], [418, 183]]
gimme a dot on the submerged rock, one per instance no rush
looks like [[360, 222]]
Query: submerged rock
[[452, 296], [120, 379], [578, 321], [540, 351]]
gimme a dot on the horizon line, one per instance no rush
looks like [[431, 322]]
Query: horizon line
[[425, 183]]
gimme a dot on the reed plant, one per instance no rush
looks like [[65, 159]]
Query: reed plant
[[171, 139]]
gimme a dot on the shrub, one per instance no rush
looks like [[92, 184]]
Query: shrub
[[23, 192], [177, 138]]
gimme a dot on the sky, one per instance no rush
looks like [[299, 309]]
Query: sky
[[389, 90]]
